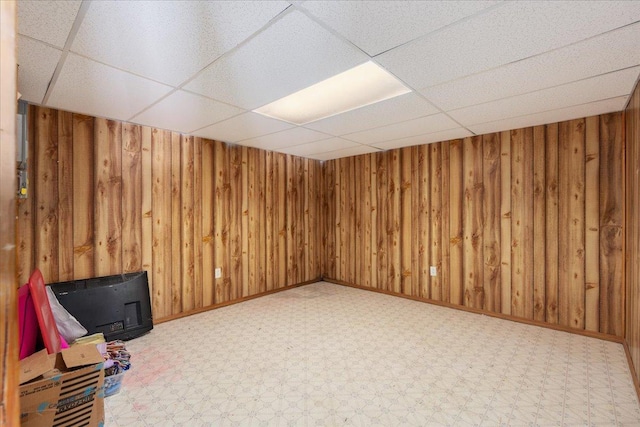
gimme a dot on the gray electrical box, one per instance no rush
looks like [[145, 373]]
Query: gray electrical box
[[22, 150]]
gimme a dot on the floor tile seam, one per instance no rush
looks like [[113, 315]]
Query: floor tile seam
[[587, 365], [544, 380], [615, 412], [517, 398], [564, 399]]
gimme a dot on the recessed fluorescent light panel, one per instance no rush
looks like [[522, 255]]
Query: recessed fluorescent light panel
[[363, 85]]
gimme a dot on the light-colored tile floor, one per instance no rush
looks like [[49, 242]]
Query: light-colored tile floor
[[327, 355]]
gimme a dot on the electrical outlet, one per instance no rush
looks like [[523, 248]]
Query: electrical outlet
[[433, 270], [218, 273]]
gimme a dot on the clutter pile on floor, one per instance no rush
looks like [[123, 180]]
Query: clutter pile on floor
[[64, 373]]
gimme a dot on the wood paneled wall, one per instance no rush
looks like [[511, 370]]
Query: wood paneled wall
[[632, 334], [108, 197], [9, 366], [527, 222]]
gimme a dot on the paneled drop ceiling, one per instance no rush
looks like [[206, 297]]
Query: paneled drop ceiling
[[200, 67]]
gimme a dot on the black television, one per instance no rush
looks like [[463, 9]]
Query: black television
[[118, 306]]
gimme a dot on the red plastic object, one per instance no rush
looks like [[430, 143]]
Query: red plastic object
[[48, 328]]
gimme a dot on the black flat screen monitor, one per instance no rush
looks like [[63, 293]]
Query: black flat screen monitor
[[118, 306]]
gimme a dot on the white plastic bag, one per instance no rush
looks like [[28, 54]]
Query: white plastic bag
[[70, 329]]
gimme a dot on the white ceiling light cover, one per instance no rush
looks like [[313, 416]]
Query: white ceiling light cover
[[362, 85]]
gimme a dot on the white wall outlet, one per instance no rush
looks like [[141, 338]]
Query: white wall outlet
[[218, 273], [433, 270]]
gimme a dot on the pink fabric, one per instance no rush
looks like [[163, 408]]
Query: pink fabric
[[27, 322]]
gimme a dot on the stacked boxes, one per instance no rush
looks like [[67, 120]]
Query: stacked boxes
[[63, 389]]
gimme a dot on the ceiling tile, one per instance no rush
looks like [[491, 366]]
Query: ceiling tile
[[614, 50], [286, 138], [569, 113], [444, 135], [244, 126], [293, 53], [168, 41], [508, 33], [185, 112], [419, 126], [346, 152], [91, 88], [581, 92], [318, 147], [377, 26], [36, 64], [47, 21], [400, 108], [535, 62]]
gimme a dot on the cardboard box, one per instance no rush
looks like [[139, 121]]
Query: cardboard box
[[62, 389]]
